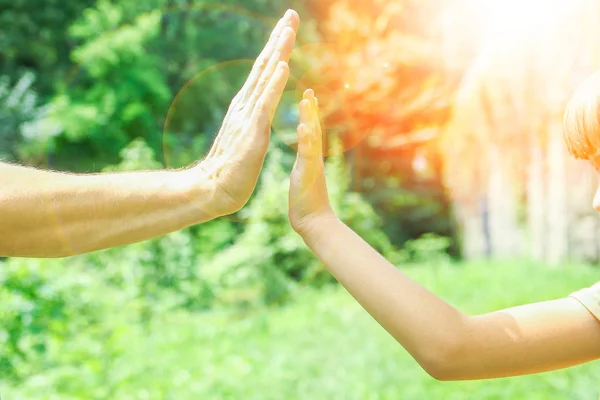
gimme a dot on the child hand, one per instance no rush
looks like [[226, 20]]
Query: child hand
[[309, 202]]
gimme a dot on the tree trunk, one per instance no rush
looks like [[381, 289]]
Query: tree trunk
[[535, 204], [504, 230], [556, 197], [472, 229]]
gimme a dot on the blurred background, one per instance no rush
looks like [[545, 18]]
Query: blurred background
[[444, 151]]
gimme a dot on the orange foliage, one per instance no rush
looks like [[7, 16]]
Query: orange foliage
[[378, 71]]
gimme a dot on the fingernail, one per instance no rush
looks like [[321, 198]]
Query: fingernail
[[288, 14]]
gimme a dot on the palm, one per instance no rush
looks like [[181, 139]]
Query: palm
[[308, 193], [237, 155]]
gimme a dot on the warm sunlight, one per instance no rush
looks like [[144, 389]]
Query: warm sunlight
[[207, 199], [507, 20]]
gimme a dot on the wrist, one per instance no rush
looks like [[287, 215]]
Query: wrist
[[312, 226], [199, 193]]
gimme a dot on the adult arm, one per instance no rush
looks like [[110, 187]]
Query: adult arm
[[52, 214]]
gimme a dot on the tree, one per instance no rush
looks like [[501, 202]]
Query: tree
[[384, 90], [507, 126]]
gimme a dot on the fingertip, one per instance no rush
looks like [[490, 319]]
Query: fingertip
[[308, 93], [283, 67], [293, 17], [288, 32], [277, 29], [314, 103]]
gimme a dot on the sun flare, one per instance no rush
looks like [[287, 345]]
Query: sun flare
[[507, 20]]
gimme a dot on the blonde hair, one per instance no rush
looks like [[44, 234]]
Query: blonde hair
[[582, 119]]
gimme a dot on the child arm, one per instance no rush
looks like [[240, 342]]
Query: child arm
[[447, 343]]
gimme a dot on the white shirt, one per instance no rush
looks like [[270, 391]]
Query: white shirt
[[590, 298]]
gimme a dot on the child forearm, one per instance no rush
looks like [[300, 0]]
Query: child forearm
[[448, 344], [426, 326]]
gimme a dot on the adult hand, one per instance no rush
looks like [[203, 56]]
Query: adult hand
[[237, 155]]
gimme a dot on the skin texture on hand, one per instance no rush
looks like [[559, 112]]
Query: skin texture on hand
[[238, 153], [308, 199], [447, 343]]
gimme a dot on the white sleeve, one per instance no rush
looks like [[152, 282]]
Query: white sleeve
[[590, 298]]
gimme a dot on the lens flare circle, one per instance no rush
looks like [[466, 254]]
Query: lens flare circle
[[337, 93], [282, 125]]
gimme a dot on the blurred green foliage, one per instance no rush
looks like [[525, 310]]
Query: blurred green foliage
[[323, 346], [108, 71], [248, 260], [80, 81], [17, 106], [90, 86]]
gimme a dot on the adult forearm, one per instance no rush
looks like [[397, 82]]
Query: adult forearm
[[425, 325], [51, 214]]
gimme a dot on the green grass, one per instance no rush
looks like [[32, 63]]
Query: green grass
[[323, 346]]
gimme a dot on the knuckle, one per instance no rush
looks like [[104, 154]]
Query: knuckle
[[261, 105], [236, 105], [262, 63], [263, 82]]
